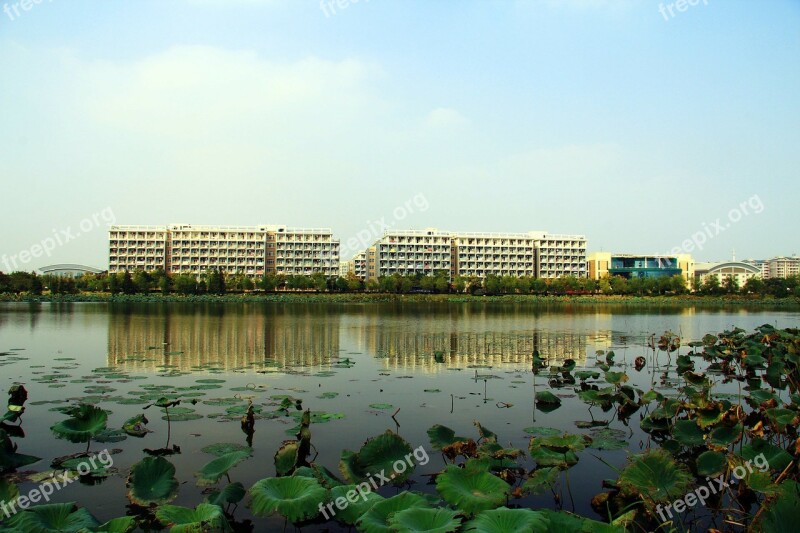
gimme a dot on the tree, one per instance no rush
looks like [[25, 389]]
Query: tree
[[216, 282], [164, 284], [711, 285], [604, 285], [142, 281], [460, 284], [372, 285], [128, 287], [754, 286], [730, 284], [354, 283], [318, 282], [113, 283], [185, 284], [268, 283]]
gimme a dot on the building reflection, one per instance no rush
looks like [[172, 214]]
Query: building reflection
[[236, 337]]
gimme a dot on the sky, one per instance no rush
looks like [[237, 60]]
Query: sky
[[647, 128]]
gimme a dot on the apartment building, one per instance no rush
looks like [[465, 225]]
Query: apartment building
[[535, 254], [302, 252], [410, 252], [231, 249], [783, 267], [493, 254], [137, 248], [560, 255], [358, 265], [250, 250]]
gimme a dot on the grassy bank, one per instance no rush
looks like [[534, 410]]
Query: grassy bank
[[291, 297]]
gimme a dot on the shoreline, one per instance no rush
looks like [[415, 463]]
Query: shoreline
[[366, 298]]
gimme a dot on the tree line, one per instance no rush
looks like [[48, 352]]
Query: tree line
[[217, 282]]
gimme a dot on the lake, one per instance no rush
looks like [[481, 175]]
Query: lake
[[373, 360]]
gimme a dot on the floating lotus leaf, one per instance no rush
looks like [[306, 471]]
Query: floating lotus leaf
[[224, 448], [724, 436], [376, 520], [232, 493], [54, 517], [381, 405], [424, 520], [547, 398], [204, 518], [471, 490], [213, 471], [546, 457], [9, 458], [379, 454], [125, 524], [711, 415], [655, 477], [583, 375], [688, 433], [136, 426], [565, 521], [616, 378], [541, 480], [441, 436], [777, 457], [354, 509], [111, 435], [152, 481], [711, 463], [608, 439], [542, 431], [295, 498], [182, 417], [85, 422], [505, 520], [783, 513]]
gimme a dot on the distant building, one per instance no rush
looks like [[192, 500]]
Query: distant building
[[344, 268], [534, 254], [629, 266], [68, 270], [783, 267], [358, 265], [739, 271], [250, 250]]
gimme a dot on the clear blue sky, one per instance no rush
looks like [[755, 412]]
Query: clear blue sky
[[601, 117]]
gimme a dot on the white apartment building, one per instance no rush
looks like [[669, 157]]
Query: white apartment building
[[137, 248], [411, 252], [231, 249], [493, 254], [560, 255], [358, 265], [783, 267], [302, 252], [250, 250]]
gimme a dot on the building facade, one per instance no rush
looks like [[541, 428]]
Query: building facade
[[783, 267], [137, 248], [250, 250], [560, 255], [602, 264], [534, 254], [739, 271]]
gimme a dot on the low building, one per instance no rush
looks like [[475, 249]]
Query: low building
[[602, 264], [739, 271], [68, 270]]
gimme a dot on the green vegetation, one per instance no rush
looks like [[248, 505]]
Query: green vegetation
[[158, 285]]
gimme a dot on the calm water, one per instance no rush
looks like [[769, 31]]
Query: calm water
[[263, 350]]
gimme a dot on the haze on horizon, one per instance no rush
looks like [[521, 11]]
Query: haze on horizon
[[599, 117]]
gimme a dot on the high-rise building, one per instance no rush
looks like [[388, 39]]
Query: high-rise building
[[249, 250], [409, 252], [137, 248], [783, 267], [358, 265], [493, 254], [560, 255], [535, 254]]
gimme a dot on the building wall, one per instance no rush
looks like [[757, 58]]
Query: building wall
[[253, 251], [137, 248], [560, 255], [413, 252], [496, 254], [783, 267]]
